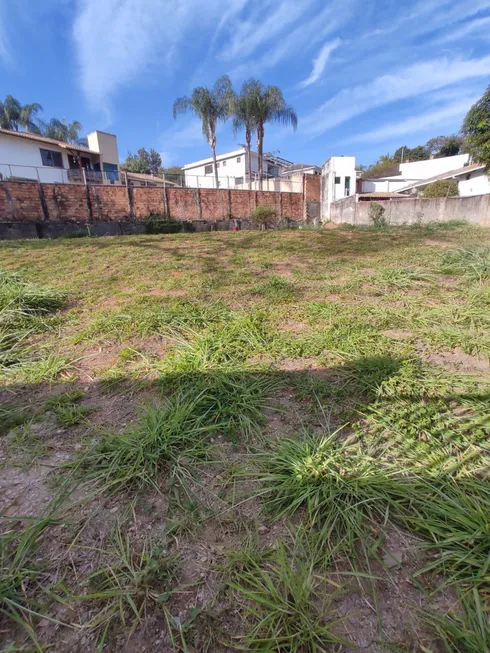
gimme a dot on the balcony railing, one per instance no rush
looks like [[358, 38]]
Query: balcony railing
[[82, 176]]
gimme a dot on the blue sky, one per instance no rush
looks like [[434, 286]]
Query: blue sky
[[364, 76]]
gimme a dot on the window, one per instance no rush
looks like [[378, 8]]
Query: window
[[238, 159], [238, 180], [51, 158], [224, 164], [347, 186], [337, 180], [217, 164], [208, 170]]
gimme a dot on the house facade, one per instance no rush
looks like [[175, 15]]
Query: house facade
[[232, 169], [338, 180], [25, 156]]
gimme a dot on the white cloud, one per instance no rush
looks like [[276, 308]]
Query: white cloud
[[263, 26], [303, 37], [320, 62], [438, 118], [405, 83], [478, 27], [119, 40]]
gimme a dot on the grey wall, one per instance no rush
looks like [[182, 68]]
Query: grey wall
[[475, 209]]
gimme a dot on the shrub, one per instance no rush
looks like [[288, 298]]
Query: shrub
[[441, 188], [161, 223], [264, 215], [377, 215]]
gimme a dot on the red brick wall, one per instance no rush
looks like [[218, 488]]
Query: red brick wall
[[183, 203], [21, 202], [110, 203], [312, 187]]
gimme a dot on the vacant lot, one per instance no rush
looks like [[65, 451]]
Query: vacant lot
[[273, 441]]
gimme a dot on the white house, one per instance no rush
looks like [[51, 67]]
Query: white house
[[472, 179], [414, 172], [338, 180], [232, 169], [25, 156]]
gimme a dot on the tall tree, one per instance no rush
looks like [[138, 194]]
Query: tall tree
[[148, 163], [211, 105], [61, 130], [14, 115], [476, 130], [445, 145], [243, 110], [268, 105]]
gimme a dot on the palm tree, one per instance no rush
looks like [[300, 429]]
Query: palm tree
[[242, 108], [211, 106], [269, 105], [61, 130], [14, 115]]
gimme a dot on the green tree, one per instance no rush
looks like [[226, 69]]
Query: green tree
[[268, 105], [385, 166], [61, 130], [406, 154], [243, 110], [211, 105], [476, 130], [148, 163], [442, 188], [14, 115], [445, 145]]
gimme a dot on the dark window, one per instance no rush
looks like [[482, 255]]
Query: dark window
[[208, 170], [51, 158], [238, 159], [224, 163], [238, 180], [347, 186], [217, 164], [337, 180]]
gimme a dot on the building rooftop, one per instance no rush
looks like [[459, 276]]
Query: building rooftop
[[219, 157], [380, 195], [49, 141], [445, 175]]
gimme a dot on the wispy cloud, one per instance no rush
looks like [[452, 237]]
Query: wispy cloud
[[406, 83], [437, 118], [262, 26], [477, 27], [320, 62], [117, 41]]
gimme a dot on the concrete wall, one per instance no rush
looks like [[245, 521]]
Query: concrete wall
[[385, 185], [47, 204], [433, 167], [106, 145], [475, 209]]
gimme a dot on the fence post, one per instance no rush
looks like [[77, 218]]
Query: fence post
[[84, 175]]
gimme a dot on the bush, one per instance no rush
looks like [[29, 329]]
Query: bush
[[377, 215], [441, 188], [162, 223], [264, 215]]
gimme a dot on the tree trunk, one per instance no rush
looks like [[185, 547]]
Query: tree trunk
[[212, 142], [248, 137], [260, 147]]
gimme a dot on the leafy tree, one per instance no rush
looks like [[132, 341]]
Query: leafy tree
[[406, 154], [445, 145], [476, 130], [143, 162], [244, 117], [442, 188], [385, 166], [61, 130], [268, 105], [211, 105], [14, 115]]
